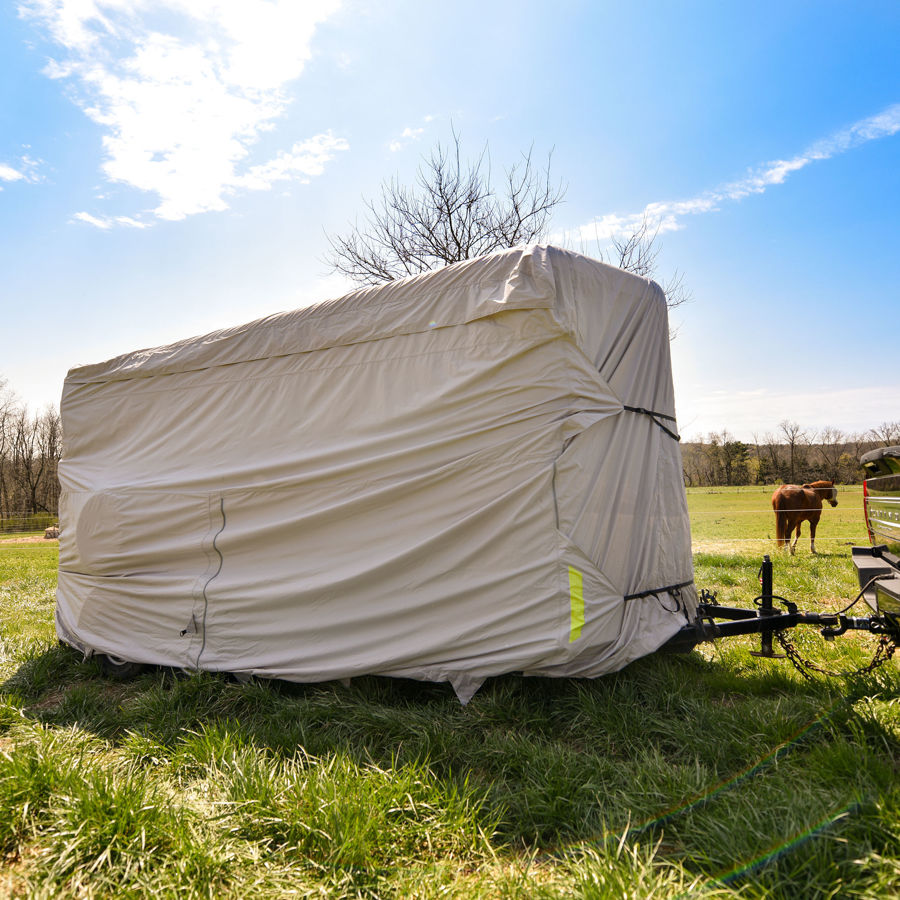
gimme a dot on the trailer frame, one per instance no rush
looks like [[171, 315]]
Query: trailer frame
[[771, 621]]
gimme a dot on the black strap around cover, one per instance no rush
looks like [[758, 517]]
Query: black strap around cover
[[656, 416], [663, 590]]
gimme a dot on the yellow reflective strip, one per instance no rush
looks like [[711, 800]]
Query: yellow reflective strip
[[576, 600]]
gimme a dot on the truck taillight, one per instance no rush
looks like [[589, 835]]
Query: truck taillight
[[866, 510]]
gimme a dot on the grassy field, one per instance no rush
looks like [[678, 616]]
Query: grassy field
[[713, 774], [741, 520], [35, 524]]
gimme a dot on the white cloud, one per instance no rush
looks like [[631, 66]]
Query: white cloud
[[88, 219], [107, 222], [306, 159], [8, 173], [407, 136], [27, 170], [130, 223], [184, 88], [667, 216]]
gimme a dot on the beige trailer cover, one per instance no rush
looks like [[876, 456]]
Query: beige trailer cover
[[466, 473]]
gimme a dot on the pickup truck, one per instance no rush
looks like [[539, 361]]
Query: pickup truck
[[881, 502]]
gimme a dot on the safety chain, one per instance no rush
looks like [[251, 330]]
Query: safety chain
[[883, 652]]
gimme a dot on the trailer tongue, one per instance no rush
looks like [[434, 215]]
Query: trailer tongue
[[714, 620]]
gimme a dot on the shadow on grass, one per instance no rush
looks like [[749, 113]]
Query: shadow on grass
[[554, 760], [711, 761]]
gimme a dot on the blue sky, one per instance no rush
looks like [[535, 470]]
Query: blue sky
[[170, 167]]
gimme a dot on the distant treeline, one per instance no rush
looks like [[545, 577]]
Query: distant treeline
[[793, 456], [30, 448]]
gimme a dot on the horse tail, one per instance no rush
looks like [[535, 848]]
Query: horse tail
[[781, 521]]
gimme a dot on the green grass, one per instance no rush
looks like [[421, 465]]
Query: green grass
[[741, 520], [715, 774], [35, 523]]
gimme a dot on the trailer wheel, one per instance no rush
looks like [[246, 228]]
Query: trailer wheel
[[121, 669]]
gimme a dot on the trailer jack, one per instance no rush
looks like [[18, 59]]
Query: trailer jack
[[771, 622]]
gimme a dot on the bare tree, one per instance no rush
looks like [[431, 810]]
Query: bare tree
[[858, 443], [638, 253], [771, 467], [30, 449], [49, 437], [832, 449], [796, 439], [886, 434], [693, 461], [7, 412], [452, 212], [794, 455], [712, 458]]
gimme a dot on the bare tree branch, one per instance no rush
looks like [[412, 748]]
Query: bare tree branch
[[638, 253], [30, 449], [886, 434], [452, 212]]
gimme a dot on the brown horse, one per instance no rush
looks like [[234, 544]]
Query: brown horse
[[793, 504]]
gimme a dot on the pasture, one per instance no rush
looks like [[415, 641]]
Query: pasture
[[714, 774]]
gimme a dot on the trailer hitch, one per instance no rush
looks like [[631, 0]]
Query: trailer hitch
[[767, 610], [830, 632], [772, 622]]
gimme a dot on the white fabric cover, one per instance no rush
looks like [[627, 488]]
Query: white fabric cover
[[424, 479]]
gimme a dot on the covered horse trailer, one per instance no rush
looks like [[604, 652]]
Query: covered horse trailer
[[469, 472]]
